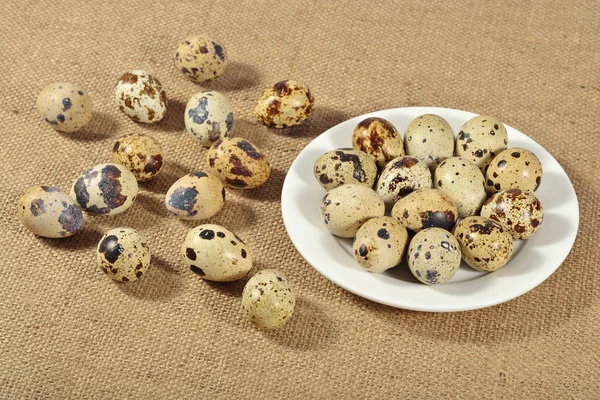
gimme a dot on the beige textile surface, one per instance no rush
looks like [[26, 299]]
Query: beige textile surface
[[69, 332]]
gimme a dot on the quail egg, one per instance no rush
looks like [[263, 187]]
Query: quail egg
[[141, 154], [141, 97], [195, 196], [268, 299], [426, 208], [463, 183], [429, 138], [379, 138], [480, 139], [434, 256], [286, 103], [67, 107], [208, 117], [518, 211], [200, 58], [400, 177], [514, 168], [380, 244], [341, 166], [123, 254]]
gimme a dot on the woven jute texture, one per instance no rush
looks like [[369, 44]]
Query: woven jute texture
[[67, 331]]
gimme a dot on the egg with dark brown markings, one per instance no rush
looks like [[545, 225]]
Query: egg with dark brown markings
[[426, 208], [379, 138], [514, 168], [520, 212], [268, 299], [480, 139], [400, 177], [209, 117], [141, 154], [433, 256], [380, 244], [286, 103], [429, 138], [67, 107], [196, 196], [463, 182], [201, 58], [141, 97], [123, 254], [341, 166]]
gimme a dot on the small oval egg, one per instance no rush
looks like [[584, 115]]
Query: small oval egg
[[434, 256], [268, 299], [400, 177], [462, 181], [341, 166], [200, 58], [105, 189], [429, 138], [380, 244], [141, 154], [345, 208], [123, 254], [238, 163], [426, 208], [196, 196], [65, 106], [484, 243], [514, 168], [286, 103], [49, 212], [209, 117], [480, 139], [519, 212], [141, 97], [215, 253], [378, 138]]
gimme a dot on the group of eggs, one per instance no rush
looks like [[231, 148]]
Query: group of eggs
[[211, 251], [426, 182]]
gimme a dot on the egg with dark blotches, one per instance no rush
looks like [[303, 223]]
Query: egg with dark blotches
[[485, 245], [123, 254], [209, 117], [429, 138], [141, 97], [426, 208], [201, 58], [400, 177], [285, 104], [434, 256], [67, 107], [380, 244], [480, 139], [379, 138], [49, 212], [238, 163], [520, 212], [141, 154], [215, 254], [268, 299], [345, 166], [196, 196], [106, 189], [514, 168], [463, 182]]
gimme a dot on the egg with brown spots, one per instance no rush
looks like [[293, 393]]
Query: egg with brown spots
[[378, 138], [209, 117], [480, 139], [67, 107], [49, 212], [238, 163], [196, 196], [514, 168], [123, 254], [268, 299], [215, 254], [286, 103], [429, 138], [105, 189], [341, 166], [201, 58], [485, 245], [520, 212], [141, 97], [434, 256], [141, 154], [400, 177], [345, 208], [380, 244], [463, 183], [426, 208]]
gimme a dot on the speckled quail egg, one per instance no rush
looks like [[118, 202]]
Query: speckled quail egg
[[141, 154], [49, 212], [519, 212], [105, 189], [516, 168], [238, 163], [123, 254], [141, 97], [400, 177], [209, 117], [429, 138], [201, 58], [379, 138], [426, 208], [380, 244], [463, 183], [286, 103], [195, 196], [215, 253], [480, 139], [345, 208], [268, 299], [484, 243], [65, 106], [434, 256], [341, 166]]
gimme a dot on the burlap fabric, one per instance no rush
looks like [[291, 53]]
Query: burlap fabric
[[66, 331]]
